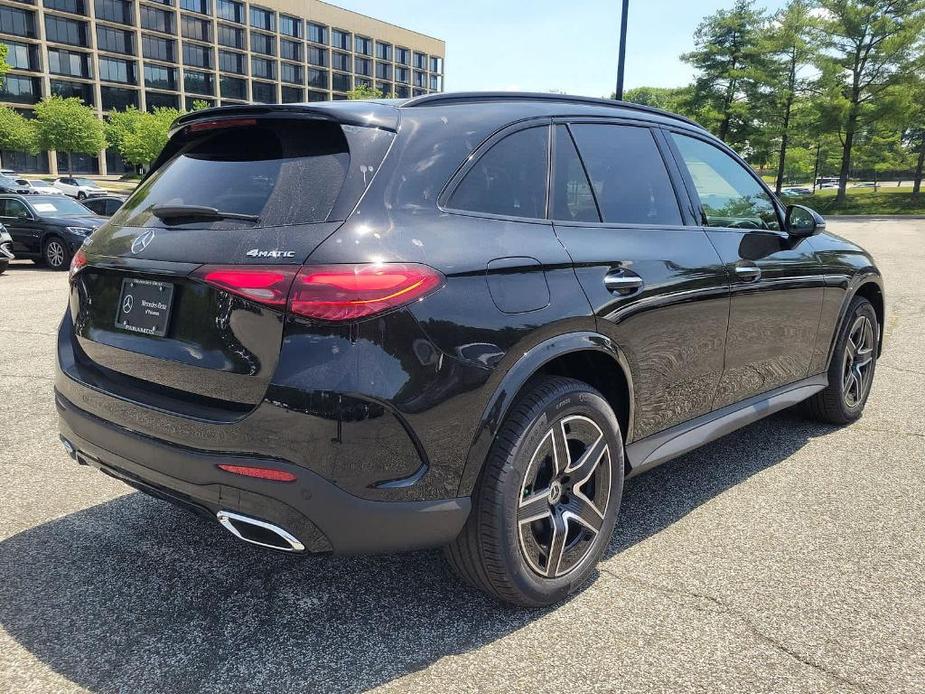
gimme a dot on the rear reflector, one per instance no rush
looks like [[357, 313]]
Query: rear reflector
[[263, 473], [267, 285], [222, 123], [350, 292]]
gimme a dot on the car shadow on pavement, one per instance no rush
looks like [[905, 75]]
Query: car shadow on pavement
[[136, 595]]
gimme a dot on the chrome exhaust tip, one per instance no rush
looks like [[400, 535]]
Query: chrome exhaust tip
[[258, 532]]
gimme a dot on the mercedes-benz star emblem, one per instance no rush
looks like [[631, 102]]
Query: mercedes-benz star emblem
[[142, 242], [128, 303]]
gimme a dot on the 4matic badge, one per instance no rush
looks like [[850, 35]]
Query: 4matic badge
[[258, 253]]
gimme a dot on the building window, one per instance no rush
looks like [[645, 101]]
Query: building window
[[200, 6], [233, 88], [290, 50], [290, 73], [159, 77], [420, 61], [340, 39], [197, 56], [194, 102], [292, 95], [164, 2], [69, 63], [192, 28], [317, 96], [17, 22], [231, 37], [20, 90], [198, 82], [79, 90], [263, 68], [317, 56], [383, 51], [58, 30], [115, 70], [291, 26], [21, 56], [156, 20], [158, 49], [418, 79], [261, 43], [384, 71], [403, 56], [155, 100], [231, 62], [117, 11], [118, 99], [362, 66], [318, 33], [402, 74], [364, 45], [401, 91], [72, 6], [317, 78], [230, 10], [436, 64], [114, 40], [340, 82], [263, 93], [340, 61], [263, 19]]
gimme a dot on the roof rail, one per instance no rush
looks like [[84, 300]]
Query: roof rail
[[463, 97]]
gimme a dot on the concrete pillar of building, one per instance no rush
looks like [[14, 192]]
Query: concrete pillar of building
[[53, 162]]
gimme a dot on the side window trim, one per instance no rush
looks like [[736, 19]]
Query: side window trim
[[553, 154], [632, 123], [443, 199], [690, 209], [692, 189]]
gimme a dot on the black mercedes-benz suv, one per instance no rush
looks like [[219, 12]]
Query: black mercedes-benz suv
[[460, 320]]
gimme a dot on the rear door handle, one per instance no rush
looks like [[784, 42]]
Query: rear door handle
[[622, 282], [747, 272]]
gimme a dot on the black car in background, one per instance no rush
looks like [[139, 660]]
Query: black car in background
[[460, 320], [104, 205], [47, 228]]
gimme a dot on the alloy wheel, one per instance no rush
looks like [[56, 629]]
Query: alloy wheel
[[564, 496], [859, 360], [54, 253]]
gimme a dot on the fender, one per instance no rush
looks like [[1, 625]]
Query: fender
[[851, 284], [513, 380]]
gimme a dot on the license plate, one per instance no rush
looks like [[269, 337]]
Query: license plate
[[144, 306]]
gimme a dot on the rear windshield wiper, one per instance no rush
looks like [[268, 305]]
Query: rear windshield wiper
[[166, 212]]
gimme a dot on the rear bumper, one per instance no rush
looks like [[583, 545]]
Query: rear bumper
[[320, 515]]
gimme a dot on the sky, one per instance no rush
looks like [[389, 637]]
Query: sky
[[543, 45]]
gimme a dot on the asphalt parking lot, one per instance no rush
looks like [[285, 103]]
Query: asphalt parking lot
[[789, 556]]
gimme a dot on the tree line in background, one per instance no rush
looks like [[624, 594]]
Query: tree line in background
[[820, 88]]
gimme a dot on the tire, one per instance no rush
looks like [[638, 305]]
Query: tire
[[528, 503], [56, 254], [4, 264], [81, 195], [851, 372]]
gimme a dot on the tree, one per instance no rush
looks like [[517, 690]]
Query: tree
[[676, 100], [16, 132], [730, 62], [361, 93], [67, 125], [4, 66], [915, 135], [791, 41], [140, 136], [870, 48]]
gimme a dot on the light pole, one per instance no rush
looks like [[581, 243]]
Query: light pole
[[622, 59]]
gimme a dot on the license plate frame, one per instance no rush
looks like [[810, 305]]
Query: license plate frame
[[144, 306]]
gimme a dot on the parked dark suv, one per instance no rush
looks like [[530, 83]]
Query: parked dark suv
[[460, 320]]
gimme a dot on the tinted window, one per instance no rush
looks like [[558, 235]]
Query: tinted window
[[729, 194], [510, 179], [628, 174], [283, 174], [572, 199], [13, 208]]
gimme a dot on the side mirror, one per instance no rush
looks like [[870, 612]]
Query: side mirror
[[802, 221]]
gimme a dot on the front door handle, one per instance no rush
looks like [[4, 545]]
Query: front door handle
[[747, 272], [622, 282]]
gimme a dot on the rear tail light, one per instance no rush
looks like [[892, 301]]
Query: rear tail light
[[78, 263], [262, 473], [350, 292], [265, 285], [326, 292]]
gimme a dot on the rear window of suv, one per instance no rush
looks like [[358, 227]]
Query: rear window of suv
[[282, 172]]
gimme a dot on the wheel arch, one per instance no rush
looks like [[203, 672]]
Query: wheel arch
[[869, 286], [585, 356]]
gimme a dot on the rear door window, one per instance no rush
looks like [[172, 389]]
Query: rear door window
[[572, 199], [282, 172], [628, 174], [509, 179]]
